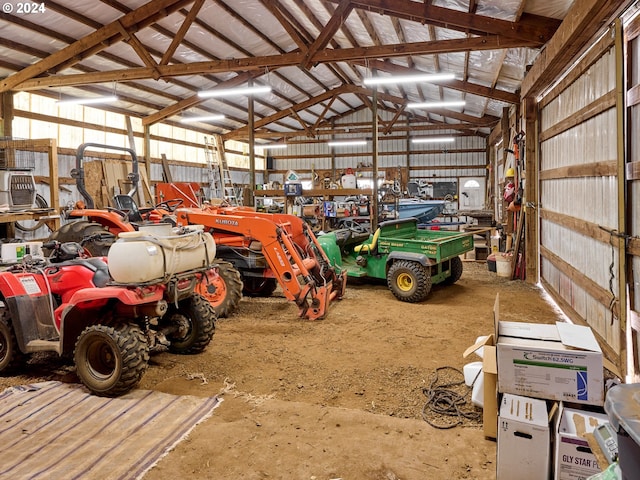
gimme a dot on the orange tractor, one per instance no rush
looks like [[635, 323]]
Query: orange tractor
[[270, 249], [255, 251]]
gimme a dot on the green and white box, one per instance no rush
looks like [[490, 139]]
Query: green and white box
[[555, 362]]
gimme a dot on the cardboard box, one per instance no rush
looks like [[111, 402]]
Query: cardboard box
[[13, 252], [556, 362], [524, 439], [574, 459], [490, 374], [490, 366]]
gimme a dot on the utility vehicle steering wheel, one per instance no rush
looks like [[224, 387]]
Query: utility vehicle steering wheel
[[355, 227]]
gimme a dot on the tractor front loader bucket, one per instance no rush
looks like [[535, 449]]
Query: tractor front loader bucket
[[290, 249]]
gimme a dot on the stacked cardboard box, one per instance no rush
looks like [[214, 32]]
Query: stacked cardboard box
[[537, 367]]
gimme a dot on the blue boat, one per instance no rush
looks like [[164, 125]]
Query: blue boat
[[423, 210]]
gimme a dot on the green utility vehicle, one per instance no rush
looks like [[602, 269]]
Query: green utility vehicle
[[410, 259]]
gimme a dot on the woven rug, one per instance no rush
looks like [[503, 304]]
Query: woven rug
[[58, 430]]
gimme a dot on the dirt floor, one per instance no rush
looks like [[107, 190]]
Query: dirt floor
[[340, 398]]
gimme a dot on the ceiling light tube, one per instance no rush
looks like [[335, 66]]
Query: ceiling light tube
[[203, 118], [455, 103], [426, 77], [88, 101], [272, 146], [346, 143], [227, 92], [433, 140]]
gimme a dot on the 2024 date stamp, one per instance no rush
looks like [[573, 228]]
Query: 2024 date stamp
[[24, 8]]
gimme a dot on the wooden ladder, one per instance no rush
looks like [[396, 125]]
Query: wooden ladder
[[225, 187]]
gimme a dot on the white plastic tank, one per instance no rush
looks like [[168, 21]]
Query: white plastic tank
[[349, 179], [139, 257]]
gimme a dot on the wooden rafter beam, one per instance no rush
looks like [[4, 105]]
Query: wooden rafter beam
[[583, 20], [276, 10], [182, 31], [462, 86], [324, 131], [530, 27], [363, 93], [99, 40], [140, 49], [273, 62], [393, 121], [193, 100], [306, 127], [285, 113], [333, 25], [324, 112]]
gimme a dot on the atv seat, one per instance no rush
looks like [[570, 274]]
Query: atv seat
[[98, 266], [128, 205], [369, 247]]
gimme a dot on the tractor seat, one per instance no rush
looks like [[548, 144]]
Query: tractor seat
[[128, 205], [369, 247]]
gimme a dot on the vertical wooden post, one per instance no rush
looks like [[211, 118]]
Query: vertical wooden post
[[530, 208], [6, 114], [252, 156], [374, 155], [620, 241], [147, 151]]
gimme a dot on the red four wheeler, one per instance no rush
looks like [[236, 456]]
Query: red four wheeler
[[72, 306], [97, 228]]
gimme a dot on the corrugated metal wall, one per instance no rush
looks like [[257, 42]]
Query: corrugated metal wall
[[578, 203], [465, 157]]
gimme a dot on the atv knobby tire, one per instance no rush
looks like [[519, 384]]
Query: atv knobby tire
[[409, 281], [259, 287], [81, 230], [225, 291], [195, 320], [10, 355], [456, 271], [111, 361]]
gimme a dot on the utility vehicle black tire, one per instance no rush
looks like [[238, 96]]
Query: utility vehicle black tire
[[10, 355], [225, 292], [259, 287], [111, 361], [78, 231], [409, 281], [456, 271], [196, 321]]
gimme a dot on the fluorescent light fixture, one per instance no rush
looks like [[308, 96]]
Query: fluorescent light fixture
[[88, 101], [346, 143], [433, 140], [272, 146], [426, 77], [228, 92], [455, 103], [203, 118]]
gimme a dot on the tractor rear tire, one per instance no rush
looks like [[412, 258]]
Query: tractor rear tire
[[111, 361], [10, 355], [78, 231], [456, 271], [196, 322], [225, 291], [259, 287], [409, 281]]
